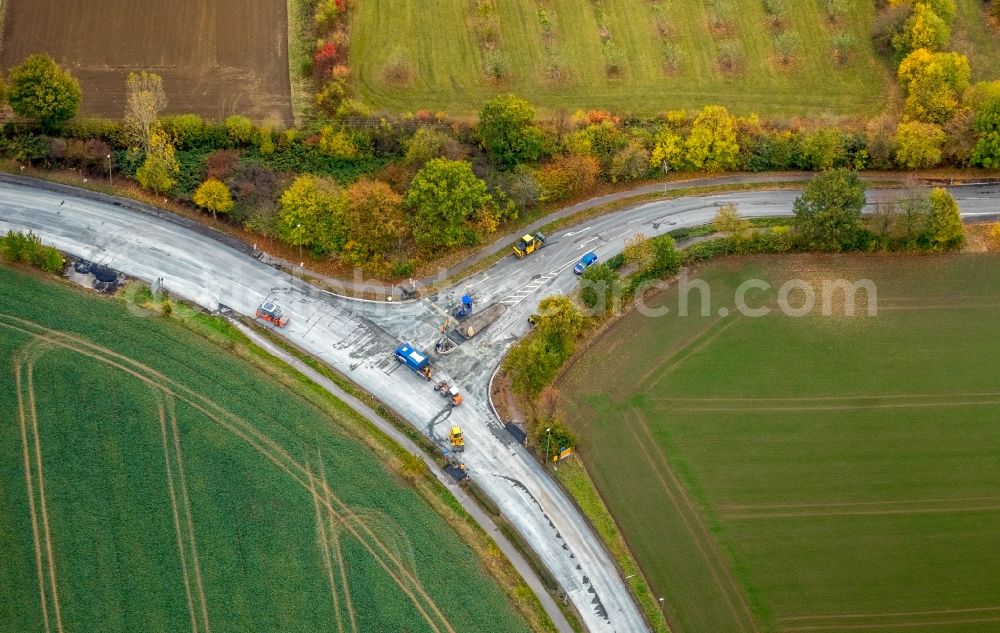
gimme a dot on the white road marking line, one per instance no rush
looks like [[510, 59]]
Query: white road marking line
[[637, 220], [622, 235], [572, 233]]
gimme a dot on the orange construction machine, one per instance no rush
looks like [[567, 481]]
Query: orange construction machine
[[269, 311]]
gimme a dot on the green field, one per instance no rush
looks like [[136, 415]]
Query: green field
[[821, 473], [448, 70], [150, 481]]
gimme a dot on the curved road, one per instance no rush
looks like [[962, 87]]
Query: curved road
[[357, 338]]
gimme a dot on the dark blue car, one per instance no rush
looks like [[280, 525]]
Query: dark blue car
[[585, 262]]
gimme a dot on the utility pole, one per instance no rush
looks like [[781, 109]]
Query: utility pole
[[110, 182]]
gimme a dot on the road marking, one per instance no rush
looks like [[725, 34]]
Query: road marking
[[572, 233], [582, 244], [478, 282], [637, 220], [622, 235]]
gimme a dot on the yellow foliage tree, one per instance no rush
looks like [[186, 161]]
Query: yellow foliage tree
[[213, 195]]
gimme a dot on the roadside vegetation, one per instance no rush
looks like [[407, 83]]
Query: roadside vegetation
[[372, 503], [396, 192]]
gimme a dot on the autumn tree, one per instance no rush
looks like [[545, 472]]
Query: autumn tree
[[824, 149], [933, 84], [443, 195], [144, 100], [213, 195], [312, 215], [630, 163], [828, 213], [923, 29], [567, 177], [638, 251], [508, 133], [729, 221], [375, 221], [160, 168], [919, 144], [712, 144], [668, 148], [42, 90], [239, 129]]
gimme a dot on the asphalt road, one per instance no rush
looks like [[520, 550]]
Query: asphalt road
[[357, 337]]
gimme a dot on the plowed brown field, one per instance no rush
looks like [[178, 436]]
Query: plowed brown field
[[216, 58]]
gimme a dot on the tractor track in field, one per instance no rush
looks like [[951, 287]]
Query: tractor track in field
[[185, 575], [904, 619], [24, 363], [335, 546], [323, 542], [913, 624], [394, 567], [26, 454], [691, 517]]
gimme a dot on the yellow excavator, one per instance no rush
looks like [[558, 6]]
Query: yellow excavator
[[529, 244], [457, 441]]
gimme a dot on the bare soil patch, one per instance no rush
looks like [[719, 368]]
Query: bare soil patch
[[216, 58]]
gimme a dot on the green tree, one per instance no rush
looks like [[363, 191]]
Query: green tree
[[828, 213], [560, 321], [214, 195], [160, 168], [986, 152], [144, 100], [444, 195], [42, 90], [933, 84], [824, 149], [944, 225], [375, 221], [600, 287], [508, 132], [312, 215], [729, 221], [428, 143], [712, 144], [919, 144]]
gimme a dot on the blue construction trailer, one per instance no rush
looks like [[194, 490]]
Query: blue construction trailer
[[415, 360]]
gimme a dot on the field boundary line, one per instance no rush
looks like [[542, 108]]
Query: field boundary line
[[324, 548], [26, 455], [47, 531], [689, 513], [181, 551], [690, 340], [846, 513], [336, 548], [266, 446]]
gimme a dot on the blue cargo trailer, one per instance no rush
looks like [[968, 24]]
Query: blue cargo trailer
[[415, 360]]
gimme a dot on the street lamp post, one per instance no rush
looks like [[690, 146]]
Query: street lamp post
[[548, 437], [298, 229], [110, 181]]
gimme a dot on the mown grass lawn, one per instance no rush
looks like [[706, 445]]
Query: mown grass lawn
[[816, 473], [149, 481]]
